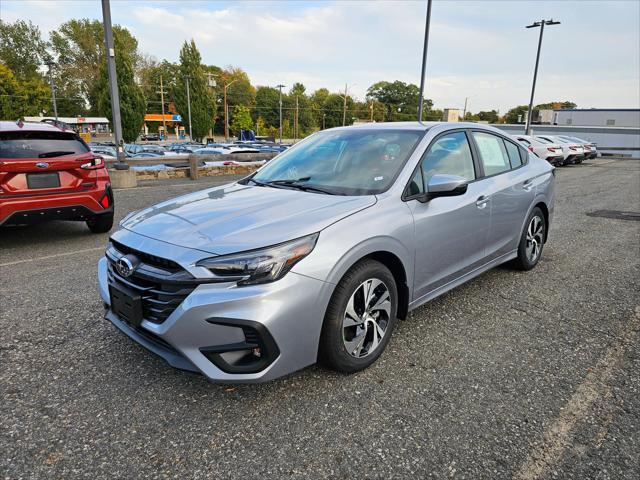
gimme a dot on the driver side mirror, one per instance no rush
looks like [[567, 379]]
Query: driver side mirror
[[441, 185]]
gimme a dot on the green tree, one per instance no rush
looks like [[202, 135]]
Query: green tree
[[22, 49], [399, 98], [267, 99], [490, 116], [203, 105], [516, 114], [78, 46], [132, 102], [11, 100], [552, 105], [241, 120]]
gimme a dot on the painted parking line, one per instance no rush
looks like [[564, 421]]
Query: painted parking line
[[46, 257], [597, 384]]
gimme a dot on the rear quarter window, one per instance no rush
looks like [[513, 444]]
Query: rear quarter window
[[36, 144]]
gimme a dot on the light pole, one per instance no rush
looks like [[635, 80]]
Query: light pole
[[280, 88], [186, 79], [324, 115], [540, 24], [113, 85], [50, 64], [424, 60]]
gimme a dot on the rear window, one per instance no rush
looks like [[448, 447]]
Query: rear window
[[26, 144]]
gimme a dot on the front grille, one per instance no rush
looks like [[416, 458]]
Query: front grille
[[162, 290], [147, 258]]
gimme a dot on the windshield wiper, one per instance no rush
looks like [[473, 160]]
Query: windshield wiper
[[301, 186], [54, 154]]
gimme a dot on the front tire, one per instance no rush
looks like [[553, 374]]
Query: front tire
[[360, 318], [100, 224], [531, 241]]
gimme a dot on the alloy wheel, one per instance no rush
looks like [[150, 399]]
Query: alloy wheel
[[366, 318], [535, 238]]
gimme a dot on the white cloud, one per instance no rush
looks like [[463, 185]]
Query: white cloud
[[477, 49]]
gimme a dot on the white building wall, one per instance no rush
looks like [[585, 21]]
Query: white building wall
[[598, 118]]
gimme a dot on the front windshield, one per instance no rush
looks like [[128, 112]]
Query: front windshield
[[344, 162]]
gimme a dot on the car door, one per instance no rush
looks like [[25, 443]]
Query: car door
[[510, 188], [450, 232]]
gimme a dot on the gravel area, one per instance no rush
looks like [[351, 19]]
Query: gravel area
[[513, 375]]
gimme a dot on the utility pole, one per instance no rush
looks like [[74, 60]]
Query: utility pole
[[226, 110], [324, 115], [296, 121], [371, 111], [344, 106], [187, 78], [424, 60], [464, 112], [280, 87], [540, 24], [53, 88], [113, 85], [164, 122]]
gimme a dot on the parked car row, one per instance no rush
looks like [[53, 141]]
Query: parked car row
[[559, 149]]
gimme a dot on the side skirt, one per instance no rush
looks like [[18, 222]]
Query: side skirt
[[463, 279]]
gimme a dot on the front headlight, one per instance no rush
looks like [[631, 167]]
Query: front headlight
[[260, 266]]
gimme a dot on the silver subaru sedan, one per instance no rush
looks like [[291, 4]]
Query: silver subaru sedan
[[315, 256]]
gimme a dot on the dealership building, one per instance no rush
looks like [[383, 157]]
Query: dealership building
[[597, 117]]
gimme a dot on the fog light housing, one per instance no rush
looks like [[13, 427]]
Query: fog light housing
[[254, 354]]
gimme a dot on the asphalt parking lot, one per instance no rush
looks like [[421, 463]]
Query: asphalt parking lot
[[513, 375]]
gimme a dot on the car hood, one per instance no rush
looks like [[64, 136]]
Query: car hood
[[233, 218]]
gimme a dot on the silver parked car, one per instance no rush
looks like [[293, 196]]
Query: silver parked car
[[316, 255]]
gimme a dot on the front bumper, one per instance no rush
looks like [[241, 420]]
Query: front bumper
[[290, 312]]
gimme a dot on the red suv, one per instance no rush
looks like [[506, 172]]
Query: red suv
[[47, 172]]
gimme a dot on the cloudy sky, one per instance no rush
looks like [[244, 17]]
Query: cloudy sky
[[478, 49]]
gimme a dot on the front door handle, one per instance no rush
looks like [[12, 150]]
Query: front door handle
[[528, 184], [481, 202]]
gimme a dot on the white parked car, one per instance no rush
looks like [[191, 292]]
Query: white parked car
[[590, 148], [573, 151], [551, 152]]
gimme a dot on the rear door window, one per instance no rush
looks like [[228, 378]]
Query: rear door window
[[34, 144], [514, 154], [493, 153]]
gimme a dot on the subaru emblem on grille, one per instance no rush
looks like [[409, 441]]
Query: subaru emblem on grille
[[126, 265], [42, 164]]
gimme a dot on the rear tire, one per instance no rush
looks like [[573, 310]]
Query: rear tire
[[100, 224], [360, 318], [531, 241]]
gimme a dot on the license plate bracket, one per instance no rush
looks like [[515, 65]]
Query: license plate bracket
[[43, 180], [126, 304]]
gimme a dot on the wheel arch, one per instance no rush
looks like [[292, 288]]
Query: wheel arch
[[545, 211]]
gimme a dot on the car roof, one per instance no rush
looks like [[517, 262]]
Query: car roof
[[420, 126], [8, 126]]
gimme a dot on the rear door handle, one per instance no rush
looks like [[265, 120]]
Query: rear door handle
[[528, 184], [481, 202]]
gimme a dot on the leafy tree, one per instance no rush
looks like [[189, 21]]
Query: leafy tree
[[260, 126], [267, 105], [399, 98], [333, 107], [132, 102], [19, 99], [150, 73], [241, 120], [78, 46], [512, 115], [11, 101], [490, 116], [22, 49], [553, 105], [203, 105]]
